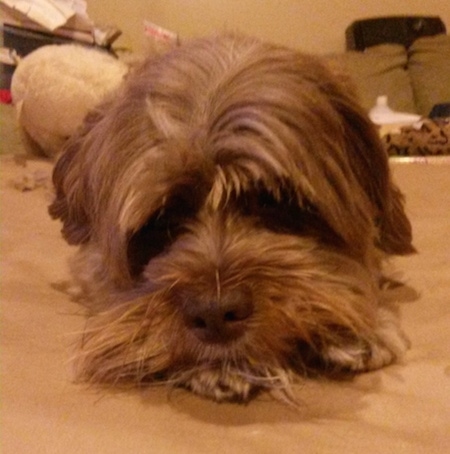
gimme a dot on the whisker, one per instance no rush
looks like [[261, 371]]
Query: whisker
[[218, 287]]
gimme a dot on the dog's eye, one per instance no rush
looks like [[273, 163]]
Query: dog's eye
[[264, 205], [161, 230], [269, 203], [281, 212]]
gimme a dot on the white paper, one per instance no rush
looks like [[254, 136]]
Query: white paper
[[50, 14]]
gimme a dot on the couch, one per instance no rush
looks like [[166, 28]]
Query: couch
[[414, 79]]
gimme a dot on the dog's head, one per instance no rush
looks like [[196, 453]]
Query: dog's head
[[234, 200]]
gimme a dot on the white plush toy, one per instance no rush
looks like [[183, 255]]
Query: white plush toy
[[55, 86]]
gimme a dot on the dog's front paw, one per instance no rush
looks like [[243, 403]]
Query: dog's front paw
[[239, 383], [220, 385], [388, 344]]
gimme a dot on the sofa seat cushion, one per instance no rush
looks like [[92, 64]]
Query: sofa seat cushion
[[379, 70]]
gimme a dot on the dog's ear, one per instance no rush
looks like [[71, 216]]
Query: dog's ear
[[371, 167], [395, 232], [71, 204]]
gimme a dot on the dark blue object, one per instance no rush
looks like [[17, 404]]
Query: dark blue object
[[440, 110]]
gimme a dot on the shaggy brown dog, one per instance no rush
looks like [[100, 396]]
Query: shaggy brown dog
[[233, 205]]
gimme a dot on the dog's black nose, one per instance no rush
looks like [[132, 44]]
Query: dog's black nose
[[215, 321]]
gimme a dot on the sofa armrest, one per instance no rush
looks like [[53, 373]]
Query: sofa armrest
[[429, 70]]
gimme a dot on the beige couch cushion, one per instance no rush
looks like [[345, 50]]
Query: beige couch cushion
[[379, 70], [429, 69]]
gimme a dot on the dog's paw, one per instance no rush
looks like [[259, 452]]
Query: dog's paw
[[219, 385], [387, 345], [239, 383]]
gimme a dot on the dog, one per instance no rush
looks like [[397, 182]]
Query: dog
[[233, 208]]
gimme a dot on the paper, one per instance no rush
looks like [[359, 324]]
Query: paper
[[50, 14]]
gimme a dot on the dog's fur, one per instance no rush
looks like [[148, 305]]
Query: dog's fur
[[233, 205]]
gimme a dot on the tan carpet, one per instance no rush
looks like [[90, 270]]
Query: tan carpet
[[404, 408]]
